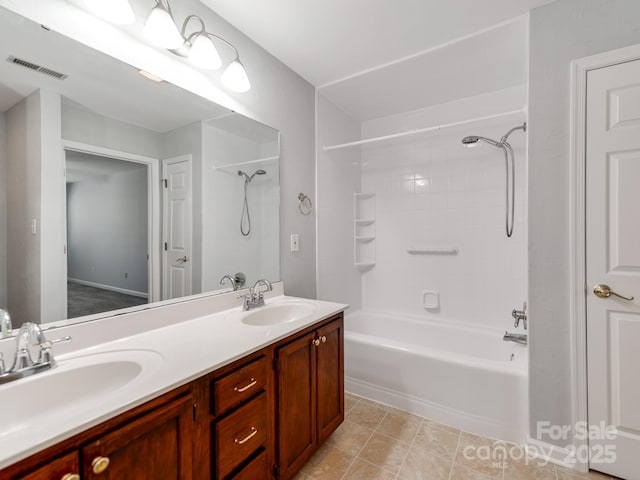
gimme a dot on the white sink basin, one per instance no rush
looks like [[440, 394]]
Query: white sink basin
[[76, 382], [275, 313]]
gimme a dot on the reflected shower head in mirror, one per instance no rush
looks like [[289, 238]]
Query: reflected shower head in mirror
[[509, 164], [248, 178], [245, 205]]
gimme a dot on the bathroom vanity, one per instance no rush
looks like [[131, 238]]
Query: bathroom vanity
[[256, 413]]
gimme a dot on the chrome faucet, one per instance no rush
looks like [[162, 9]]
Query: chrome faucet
[[232, 281], [520, 338], [30, 334], [5, 323], [256, 298], [520, 315]]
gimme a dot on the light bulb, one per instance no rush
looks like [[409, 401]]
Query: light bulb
[[114, 11], [235, 77], [161, 30], [203, 53]]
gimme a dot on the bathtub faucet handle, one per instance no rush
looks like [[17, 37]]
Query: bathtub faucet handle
[[520, 315]]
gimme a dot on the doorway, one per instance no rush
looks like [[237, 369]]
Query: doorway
[[109, 230]]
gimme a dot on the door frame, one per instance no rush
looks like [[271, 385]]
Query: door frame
[[578, 263], [164, 263], [153, 202]]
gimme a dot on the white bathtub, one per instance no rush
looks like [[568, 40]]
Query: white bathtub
[[464, 377]]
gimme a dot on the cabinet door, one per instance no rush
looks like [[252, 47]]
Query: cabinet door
[[61, 468], [296, 404], [157, 445], [330, 378]]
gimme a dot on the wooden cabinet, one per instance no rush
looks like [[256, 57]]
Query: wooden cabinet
[[232, 423], [65, 467], [157, 445], [310, 397]]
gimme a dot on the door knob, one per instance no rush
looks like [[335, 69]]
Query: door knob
[[604, 291], [183, 259]]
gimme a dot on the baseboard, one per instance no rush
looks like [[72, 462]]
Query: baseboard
[[440, 413], [109, 287], [552, 453]]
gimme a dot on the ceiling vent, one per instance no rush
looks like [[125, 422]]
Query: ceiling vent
[[37, 68]]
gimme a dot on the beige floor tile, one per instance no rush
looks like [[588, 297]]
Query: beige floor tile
[[367, 413], [361, 470], [528, 469], [441, 425], [432, 438], [460, 472], [328, 463], [350, 437], [399, 425], [566, 474], [349, 401], [385, 452], [483, 455], [425, 465], [301, 476]]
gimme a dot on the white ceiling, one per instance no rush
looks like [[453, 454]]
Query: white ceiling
[[325, 41]]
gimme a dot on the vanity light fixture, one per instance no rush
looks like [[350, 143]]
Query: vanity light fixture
[[198, 47], [115, 11]]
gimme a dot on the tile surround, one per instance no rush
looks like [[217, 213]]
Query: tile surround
[[378, 442]]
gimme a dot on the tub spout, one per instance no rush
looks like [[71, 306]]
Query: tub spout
[[515, 337]]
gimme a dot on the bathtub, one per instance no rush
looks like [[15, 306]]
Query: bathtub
[[454, 374]]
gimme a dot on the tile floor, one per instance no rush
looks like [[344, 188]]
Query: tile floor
[[377, 442]]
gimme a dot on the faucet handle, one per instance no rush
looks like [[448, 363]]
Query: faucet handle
[[5, 323], [46, 355], [2, 365]]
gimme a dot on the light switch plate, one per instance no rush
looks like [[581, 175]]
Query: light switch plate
[[295, 242]]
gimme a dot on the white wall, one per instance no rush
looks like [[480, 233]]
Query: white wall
[[338, 177], [559, 32], [3, 211], [85, 126], [278, 97], [103, 252], [433, 192]]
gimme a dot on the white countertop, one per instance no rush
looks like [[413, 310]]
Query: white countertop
[[172, 355]]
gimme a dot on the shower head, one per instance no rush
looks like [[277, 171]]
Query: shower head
[[473, 140], [248, 178]]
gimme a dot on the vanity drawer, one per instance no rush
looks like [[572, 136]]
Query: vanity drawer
[[258, 468], [240, 434], [239, 385]]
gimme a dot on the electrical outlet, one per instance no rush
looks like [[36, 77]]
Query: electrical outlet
[[295, 242]]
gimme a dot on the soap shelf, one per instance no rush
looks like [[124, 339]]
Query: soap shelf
[[364, 230]]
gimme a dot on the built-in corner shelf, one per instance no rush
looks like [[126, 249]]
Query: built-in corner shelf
[[364, 230]]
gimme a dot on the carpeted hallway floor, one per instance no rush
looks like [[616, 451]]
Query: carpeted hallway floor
[[83, 300]]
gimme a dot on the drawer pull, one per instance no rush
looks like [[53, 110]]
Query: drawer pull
[[70, 476], [248, 437], [100, 464], [246, 387]]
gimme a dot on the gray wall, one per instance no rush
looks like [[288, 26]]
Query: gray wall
[[3, 211], [559, 32], [102, 252]]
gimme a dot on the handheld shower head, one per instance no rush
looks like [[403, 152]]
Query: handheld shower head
[[248, 178]]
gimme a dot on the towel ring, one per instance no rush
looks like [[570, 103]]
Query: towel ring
[[304, 204]]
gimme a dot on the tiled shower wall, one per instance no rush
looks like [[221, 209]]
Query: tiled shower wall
[[433, 193]]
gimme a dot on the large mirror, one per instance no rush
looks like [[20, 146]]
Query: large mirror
[[118, 191]]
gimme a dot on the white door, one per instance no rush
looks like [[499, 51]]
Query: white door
[[177, 227], [613, 260]]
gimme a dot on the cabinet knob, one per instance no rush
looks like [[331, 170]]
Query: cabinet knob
[[100, 464], [324, 339], [70, 476], [315, 342]]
